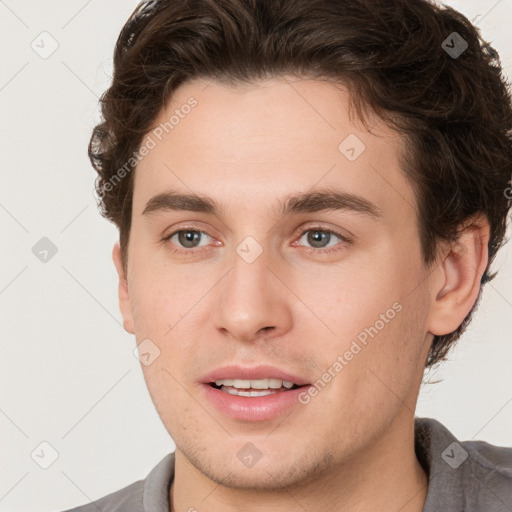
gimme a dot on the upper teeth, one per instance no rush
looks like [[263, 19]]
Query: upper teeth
[[255, 384]]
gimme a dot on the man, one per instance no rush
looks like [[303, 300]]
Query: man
[[309, 196]]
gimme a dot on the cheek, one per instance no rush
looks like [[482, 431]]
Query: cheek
[[351, 299], [392, 348], [167, 395], [377, 371], [161, 296], [377, 323]]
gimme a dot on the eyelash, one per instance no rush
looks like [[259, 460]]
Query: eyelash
[[344, 240]]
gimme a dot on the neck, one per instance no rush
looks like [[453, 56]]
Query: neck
[[386, 476]]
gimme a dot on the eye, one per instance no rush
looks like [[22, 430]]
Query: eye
[[187, 238], [319, 238]]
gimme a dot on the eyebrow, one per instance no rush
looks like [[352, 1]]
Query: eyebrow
[[308, 202]]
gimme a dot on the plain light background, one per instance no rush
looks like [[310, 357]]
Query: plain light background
[[68, 373]]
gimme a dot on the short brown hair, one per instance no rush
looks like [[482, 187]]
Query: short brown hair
[[454, 111]]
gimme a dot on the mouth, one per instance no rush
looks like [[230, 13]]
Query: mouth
[[259, 393], [254, 387]]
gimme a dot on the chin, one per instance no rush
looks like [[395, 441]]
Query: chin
[[271, 474]]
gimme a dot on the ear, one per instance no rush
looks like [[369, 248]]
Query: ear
[[457, 282], [124, 296]]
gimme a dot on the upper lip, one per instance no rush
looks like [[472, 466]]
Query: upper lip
[[252, 373]]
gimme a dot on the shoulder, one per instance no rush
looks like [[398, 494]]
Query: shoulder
[[473, 474], [492, 464], [150, 494], [127, 499]]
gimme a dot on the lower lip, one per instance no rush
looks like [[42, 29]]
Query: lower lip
[[254, 408]]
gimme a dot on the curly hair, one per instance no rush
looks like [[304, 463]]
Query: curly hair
[[454, 110]]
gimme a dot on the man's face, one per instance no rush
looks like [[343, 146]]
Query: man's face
[[338, 297]]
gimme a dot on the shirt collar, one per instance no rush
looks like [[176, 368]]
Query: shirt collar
[[155, 495]]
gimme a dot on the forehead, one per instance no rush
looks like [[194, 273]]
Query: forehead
[[266, 140]]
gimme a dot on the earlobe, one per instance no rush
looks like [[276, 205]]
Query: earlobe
[[461, 271], [123, 292]]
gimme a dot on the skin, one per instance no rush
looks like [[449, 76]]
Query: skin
[[295, 307]]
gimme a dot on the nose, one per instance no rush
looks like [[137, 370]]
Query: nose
[[252, 302]]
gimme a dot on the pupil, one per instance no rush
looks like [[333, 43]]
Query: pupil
[[315, 238]]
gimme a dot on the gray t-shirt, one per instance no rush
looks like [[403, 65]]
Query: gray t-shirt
[[469, 476]]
